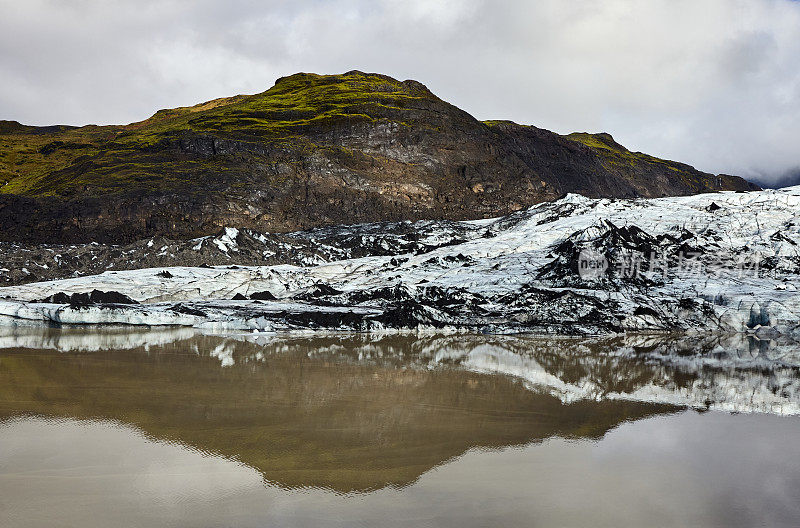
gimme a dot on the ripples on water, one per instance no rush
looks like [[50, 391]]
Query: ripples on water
[[170, 427]]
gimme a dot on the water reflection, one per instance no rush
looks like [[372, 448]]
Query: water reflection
[[344, 414], [168, 427], [359, 413], [685, 469]]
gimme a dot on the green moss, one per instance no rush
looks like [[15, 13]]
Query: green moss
[[290, 107], [616, 157], [139, 156], [497, 122], [612, 155]]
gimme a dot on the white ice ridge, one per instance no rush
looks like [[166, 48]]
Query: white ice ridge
[[509, 274]]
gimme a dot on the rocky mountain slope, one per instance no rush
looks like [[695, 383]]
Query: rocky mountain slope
[[311, 151], [717, 262]]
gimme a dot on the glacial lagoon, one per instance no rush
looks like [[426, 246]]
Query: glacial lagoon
[[170, 427]]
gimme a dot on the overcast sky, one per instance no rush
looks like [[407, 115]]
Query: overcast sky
[[715, 83]]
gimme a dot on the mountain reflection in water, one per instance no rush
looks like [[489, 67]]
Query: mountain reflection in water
[[356, 413]]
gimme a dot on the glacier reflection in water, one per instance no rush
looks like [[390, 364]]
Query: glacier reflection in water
[[170, 427], [737, 373]]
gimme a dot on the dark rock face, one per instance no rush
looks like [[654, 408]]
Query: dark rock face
[[312, 151], [88, 299]]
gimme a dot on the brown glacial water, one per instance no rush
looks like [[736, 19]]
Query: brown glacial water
[[104, 427]]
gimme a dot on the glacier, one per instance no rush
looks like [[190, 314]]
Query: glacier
[[726, 262]]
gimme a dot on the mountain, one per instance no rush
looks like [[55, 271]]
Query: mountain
[[789, 179], [312, 150]]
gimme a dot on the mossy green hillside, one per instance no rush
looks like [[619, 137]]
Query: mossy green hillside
[[29, 155], [308, 127], [287, 110], [616, 157], [138, 156]]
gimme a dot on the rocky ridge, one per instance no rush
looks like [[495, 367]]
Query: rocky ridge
[[314, 150]]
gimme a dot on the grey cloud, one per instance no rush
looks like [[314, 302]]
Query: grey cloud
[[714, 83]]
